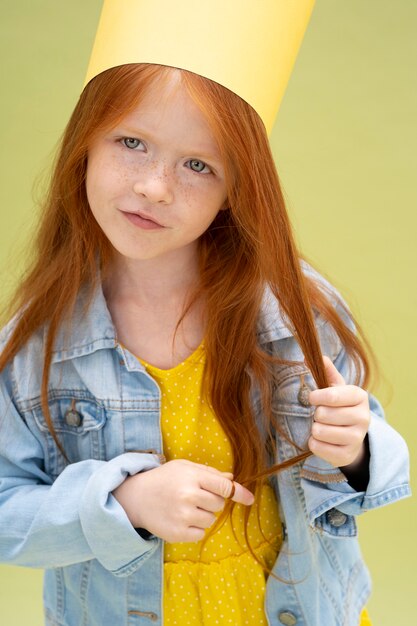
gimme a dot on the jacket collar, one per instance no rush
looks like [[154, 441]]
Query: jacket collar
[[91, 328], [88, 329]]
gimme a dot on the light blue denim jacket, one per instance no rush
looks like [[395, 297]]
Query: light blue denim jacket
[[105, 409]]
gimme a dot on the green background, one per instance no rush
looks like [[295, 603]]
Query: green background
[[344, 144]]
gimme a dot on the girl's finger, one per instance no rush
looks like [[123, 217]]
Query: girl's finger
[[337, 435], [201, 519], [341, 416], [193, 534], [333, 375], [242, 495], [210, 501], [222, 486], [336, 455], [340, 395]]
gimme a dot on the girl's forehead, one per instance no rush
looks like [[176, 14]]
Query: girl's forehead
[[164, 91], [167, 106]]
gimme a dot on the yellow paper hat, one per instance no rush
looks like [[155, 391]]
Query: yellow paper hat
[[247, 46]]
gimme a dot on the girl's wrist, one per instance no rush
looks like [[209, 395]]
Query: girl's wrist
[[126, 496]]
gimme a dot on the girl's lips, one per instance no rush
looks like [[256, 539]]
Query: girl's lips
[[142, 222]]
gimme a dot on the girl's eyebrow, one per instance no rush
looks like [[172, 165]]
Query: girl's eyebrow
[[203, 151]]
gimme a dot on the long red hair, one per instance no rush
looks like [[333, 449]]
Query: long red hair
[[248, 247]]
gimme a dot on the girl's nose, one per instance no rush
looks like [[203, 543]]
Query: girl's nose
[[154, 183]]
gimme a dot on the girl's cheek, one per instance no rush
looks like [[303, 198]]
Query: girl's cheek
[[191, 192]]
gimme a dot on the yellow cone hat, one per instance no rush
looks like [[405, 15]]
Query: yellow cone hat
[[248, 46]]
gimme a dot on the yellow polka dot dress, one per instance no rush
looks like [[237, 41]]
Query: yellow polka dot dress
[[216, 581]]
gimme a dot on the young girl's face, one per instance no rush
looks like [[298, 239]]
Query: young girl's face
[[156, 181]]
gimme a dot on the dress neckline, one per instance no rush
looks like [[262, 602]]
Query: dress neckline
[[195, 358]]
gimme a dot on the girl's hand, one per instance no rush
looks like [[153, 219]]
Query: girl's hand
[[341, 421], [178, 500]]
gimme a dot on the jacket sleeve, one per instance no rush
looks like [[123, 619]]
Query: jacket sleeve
[[331, 501], [73, 519]]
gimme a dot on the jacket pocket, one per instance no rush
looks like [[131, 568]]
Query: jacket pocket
[[78, 422], [291, 406]]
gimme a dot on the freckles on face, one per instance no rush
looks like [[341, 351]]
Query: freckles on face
[[186, 191], [161, 164]]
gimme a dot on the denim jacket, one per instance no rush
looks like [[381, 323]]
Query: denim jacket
[[61, 515]]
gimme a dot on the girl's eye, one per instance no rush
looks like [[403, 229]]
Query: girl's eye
[[131, 142], [198, 166]]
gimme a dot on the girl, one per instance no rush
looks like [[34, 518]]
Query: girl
[[174, 447]]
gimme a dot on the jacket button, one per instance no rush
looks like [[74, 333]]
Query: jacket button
[[303, 392], [287, 618], [73, 418], [336, 518]]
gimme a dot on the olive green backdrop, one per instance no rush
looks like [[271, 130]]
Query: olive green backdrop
[[344, 144]]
